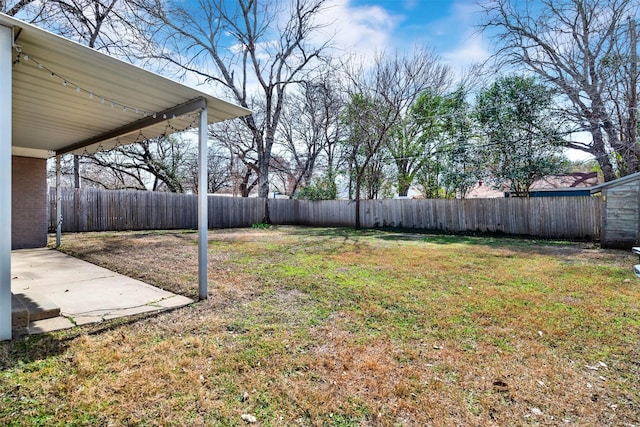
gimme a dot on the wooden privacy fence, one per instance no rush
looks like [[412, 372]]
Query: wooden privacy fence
[[114, 210], [551, 217]]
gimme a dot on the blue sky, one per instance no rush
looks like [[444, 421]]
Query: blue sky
[[448, 26]]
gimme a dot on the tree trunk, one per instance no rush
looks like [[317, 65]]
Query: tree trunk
[[357, 199], [403, 190], [263, 187], [267, 217], [76, 171], [600, 153], [264, 161]]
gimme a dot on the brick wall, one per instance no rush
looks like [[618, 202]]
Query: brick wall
[[28, 202]]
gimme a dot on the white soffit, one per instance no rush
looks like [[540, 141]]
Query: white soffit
[[65, 94], [30, 152]]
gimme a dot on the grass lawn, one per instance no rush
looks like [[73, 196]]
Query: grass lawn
[[332, 327]]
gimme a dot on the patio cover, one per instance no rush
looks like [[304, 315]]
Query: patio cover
[[57, 97]]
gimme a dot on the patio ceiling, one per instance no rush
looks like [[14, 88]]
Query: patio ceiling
[[71, 98]]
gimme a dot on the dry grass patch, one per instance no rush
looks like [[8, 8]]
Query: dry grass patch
[[330, 327]]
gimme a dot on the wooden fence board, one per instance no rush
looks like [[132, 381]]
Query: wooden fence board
[[552, 217]]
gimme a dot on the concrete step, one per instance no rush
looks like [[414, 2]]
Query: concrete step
[[35, 306], [19, 313]]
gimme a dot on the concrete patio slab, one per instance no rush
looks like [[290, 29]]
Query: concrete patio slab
[[84, 293]]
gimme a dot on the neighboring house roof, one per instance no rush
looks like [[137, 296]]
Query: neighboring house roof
[[66, 95], [596, 188], [572, 180], [482, 190], [551, 183]]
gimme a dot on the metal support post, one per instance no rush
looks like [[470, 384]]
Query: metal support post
[[58, 202], [203, 216], [6, 56]]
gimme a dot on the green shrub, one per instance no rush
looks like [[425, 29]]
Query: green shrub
[[262, 225], [319, 189]]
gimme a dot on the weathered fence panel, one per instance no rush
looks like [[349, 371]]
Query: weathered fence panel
[[551, 217], [104, 210], [231, 212]]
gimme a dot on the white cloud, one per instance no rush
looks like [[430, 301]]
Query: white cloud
[[368, 30], [360, 30]]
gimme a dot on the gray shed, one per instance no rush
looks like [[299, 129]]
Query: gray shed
[[621, 213]]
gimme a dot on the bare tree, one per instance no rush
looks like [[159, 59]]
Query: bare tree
[[379, 98], [251, 47], [234, 138], [97, 175], [375, 176], [310, 128], [283, 175], [162, 164], [26, 9], [570, 44], [100, 24], [219, 172]]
